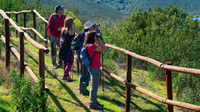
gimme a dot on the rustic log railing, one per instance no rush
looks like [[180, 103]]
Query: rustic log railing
[[34, 30], [168, 67], [20, 57], [25, 64]]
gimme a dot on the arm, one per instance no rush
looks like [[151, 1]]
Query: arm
[[98, 31], [75, 30], [101, 46]]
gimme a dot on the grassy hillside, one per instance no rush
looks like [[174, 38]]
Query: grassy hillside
[[113, 8], [132, 5]]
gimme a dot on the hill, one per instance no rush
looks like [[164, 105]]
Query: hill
[[87, 9], [132, 5], [114, 8]]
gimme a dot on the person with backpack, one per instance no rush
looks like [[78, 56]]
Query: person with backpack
[[55, 24], [66, 53], [94, 68], [84, 75]]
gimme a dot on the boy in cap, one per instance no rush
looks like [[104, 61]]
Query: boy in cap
[[55, 24], [84, 75]]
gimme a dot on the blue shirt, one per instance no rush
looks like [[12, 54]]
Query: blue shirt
[[83, 39]]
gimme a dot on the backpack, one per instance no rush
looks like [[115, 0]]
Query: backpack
[[84, 56], [76, 42], [64, 41], [54, 15]]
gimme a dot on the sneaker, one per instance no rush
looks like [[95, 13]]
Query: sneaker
[[67, 78], [100, 105], [54, 67], [95, 107]]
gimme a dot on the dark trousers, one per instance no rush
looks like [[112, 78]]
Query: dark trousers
[[84, 75]]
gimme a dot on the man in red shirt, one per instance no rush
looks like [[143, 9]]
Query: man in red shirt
[[55, 24]]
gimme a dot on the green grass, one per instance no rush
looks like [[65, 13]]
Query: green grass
[[64, 96], [5, 100]]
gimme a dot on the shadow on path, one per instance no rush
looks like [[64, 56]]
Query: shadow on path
[[73, 95], [53, 97]]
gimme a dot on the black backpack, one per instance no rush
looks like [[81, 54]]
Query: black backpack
[[76, 42], [64, 41]]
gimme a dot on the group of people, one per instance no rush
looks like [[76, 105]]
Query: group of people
[[61, 26]]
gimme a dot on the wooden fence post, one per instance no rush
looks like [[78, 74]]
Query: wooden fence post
[[24, 20], [128, 89], [77, 64], [45, 35], [42, 75], [169, 86], [21, 47], [34, 25], [16, 19], [7, 43]]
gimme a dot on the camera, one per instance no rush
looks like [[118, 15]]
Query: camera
[[97, 24], [98, 35]]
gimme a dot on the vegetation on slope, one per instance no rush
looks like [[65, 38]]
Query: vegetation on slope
[[166, 35], [129, 6]]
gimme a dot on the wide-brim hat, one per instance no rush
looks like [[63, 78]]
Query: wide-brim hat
[[58, 7], [88, 24]]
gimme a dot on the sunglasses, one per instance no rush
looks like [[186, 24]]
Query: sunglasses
[[61, 9]]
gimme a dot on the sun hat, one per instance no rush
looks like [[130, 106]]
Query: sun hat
[[58, 7], [88, 24]]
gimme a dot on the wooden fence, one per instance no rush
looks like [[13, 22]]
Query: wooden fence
[[167, 66], [20, 55]]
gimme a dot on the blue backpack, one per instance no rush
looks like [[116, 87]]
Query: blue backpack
[[85, 59]]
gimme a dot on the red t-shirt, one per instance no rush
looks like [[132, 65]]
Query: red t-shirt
[[96, 60], [52, 27]]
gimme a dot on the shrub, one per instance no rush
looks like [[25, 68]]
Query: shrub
[[25, 96]]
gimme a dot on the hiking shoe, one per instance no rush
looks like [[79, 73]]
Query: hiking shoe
[[67, 79], [60, 66], [54, 66], [83, 90], [95, 107], [83, 86], [100, 105]]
